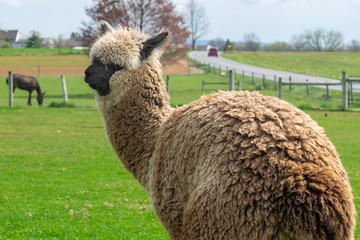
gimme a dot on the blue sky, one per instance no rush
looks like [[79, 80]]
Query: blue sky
[[270, 20]]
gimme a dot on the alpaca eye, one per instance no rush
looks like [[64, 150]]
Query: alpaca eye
[[96, 61], [114, 68]]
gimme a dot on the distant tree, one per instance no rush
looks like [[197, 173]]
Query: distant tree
[[251, 42], [333, 41], [74, 40], [217, 42], [238, 47], [319, 40], [59, 43], [2, 40], [197, 21], [278, 47], [353, 46], [313, 39], [5, 44], [76, 35], [35, 41], [146, 15], [70, 44], [298, 43]]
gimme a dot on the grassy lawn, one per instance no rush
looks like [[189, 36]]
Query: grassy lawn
[[48, 65], [324, 64], [45, 61], [38, 51], [60, 179], [79, 94], [186, 88]]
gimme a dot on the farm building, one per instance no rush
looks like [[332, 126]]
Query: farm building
[[15, 39]]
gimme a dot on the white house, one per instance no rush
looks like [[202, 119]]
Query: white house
[[15, 39]]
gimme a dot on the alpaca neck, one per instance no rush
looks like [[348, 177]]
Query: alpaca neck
[[133, 122]]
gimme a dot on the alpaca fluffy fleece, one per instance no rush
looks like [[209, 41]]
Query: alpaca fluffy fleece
[[232, 165], [246, 166]]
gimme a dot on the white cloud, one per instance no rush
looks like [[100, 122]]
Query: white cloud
[[268, 2], [15, 3]]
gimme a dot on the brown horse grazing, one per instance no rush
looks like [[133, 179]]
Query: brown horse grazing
[[29, 84]]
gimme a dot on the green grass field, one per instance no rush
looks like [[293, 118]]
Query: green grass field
[[324, 64], [60, 179], [183, 89], [38, 51]]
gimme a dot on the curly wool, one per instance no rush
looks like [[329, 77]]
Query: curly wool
[[248, 166], [232, 165]]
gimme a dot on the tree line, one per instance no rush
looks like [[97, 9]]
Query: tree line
[[317, 40], [153, 15], [149, 16]]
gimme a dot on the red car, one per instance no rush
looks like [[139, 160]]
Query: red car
[[214, 51]]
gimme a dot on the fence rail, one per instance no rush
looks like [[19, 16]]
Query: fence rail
[[307, 84], [350, 94], [353, 92]]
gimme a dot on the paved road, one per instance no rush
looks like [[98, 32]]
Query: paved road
[[201, 56]]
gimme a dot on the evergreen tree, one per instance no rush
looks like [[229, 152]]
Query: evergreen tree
[[34, 41]]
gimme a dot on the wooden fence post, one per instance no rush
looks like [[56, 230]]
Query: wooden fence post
[[243, 75], [327, 92], [38, 70], [11, 86], [351, 93], [168, 84], [275, 82], [290, 84], [263, 81], [280, 88], [231, 80], [252, 79], [307, 87], [344, 92], [203, 87], [63, 82]]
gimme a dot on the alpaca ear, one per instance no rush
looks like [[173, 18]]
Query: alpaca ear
[[104, 27], [159, 41]]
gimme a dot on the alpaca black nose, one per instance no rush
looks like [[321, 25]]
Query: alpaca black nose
[[90, 71]]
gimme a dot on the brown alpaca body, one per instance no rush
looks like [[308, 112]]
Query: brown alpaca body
[[248, 166], [232, 165]]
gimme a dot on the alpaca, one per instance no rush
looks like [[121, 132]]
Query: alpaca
[[29, 84], [231, 165]]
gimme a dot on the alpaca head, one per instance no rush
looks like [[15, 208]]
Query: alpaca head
[[120, 50]]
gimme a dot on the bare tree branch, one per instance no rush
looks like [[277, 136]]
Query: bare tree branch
[[197, 21], [319, 40], [251, 42], [146, 15]]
